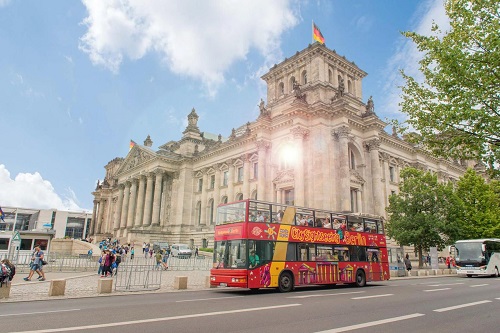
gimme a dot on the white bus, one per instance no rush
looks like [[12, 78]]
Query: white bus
[[475, 257]]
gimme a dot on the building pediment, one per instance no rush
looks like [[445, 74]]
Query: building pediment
[[356, 177], [285, 177], [137, 156]]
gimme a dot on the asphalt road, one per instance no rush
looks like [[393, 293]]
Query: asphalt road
[[446, 304]]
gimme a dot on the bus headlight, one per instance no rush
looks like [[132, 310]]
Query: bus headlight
[[238, 280], [212, 278]]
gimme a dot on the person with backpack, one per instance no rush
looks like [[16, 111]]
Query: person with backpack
[[7, 271]]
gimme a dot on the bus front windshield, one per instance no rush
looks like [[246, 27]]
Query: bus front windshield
[[470, 251], [230, 254]]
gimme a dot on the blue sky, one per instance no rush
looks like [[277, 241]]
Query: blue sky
[[80, 79]]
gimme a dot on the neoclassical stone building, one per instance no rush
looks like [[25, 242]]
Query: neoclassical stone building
[[316, 143]]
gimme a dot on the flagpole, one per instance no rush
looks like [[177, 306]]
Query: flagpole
[[312, 31]]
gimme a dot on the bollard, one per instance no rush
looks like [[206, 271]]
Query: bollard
[[5, 290], [57, 287], [433, 272], [180, 282], [105, 286]]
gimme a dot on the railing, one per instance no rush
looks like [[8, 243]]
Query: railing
[[137, 277], [57, 262]]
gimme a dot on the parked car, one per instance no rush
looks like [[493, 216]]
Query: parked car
[[181, 250]]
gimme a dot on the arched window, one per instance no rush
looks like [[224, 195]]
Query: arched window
[[292, 81], [304, 77], [352, 160], [254, 195], [211, 211], [281, 89], [198, 213], [349, 86], [239, 196], [330, 76], [224, 199]]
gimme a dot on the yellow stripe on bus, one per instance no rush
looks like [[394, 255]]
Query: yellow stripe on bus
[[281, 247]]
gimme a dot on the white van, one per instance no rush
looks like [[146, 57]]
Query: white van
[[181, 250]]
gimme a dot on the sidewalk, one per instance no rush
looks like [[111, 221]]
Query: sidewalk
[[84, 284]]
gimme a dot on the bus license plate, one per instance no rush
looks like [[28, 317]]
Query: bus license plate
[[470, 272], [222, 284]]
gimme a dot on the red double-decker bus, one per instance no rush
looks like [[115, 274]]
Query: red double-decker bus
[[268, 245]]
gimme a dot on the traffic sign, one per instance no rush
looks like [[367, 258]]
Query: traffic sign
[[16, 237]]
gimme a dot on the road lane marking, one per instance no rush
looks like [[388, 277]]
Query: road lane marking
[[430, 290], [372, 323], [39, 312], [479, 285], [460, 306], [373, 296], [323, 295], [206, 299], [444, 284], [153, 320]]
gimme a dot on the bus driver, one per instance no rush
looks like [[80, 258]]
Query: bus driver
[[253, 259]]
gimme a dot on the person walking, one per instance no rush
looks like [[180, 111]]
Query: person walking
[[408, 264], [36, 264], [132, 252], [196, 252]]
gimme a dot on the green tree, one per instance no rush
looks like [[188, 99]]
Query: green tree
[[421, 214], [479, 205], [456, 107]]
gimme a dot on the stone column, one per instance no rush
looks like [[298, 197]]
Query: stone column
[[358, 201], [131, 203], [246, 177], [140, 202], [118, 211], [373, 146], [148, 205], [157, 199], [100, 215], [94, 219], [165, 201], [230, 182], [262, 147], [335, 77], [217, 186], [299, 135], [126, 198], [341, 134], [204, 203]]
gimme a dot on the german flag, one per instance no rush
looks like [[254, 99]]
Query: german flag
[[317, 36], [132, 144], [2, 214]]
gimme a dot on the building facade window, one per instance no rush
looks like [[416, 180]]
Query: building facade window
[[225, 178], [212, 182], [281, 88], [200, 184], [304, 77], [240, 174], [352, 160], [211, 206], [391, 173], [198, 213], [255, 170], [354, 205]]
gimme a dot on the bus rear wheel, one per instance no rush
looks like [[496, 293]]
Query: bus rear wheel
[[285, 283], [360, 278]]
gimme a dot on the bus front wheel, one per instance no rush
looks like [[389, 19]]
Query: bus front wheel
[[285, 282], [496, 272], [360, 278]]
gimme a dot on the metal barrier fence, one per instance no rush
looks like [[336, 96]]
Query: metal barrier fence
[[137, 277], [57, 262]]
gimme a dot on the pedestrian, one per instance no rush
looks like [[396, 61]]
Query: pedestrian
[[132, 252], [158, 258], [143, 247], [448, 262], [7, 271], [108, 262], [196, 252], [151, 253], [36, 264], [164, 259], [408, 264], [429, 259], [101, 263]]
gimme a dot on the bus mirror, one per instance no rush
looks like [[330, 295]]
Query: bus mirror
[[483, 247]]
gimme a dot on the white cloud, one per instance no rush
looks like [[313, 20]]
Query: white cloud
[[30, 190], [407, 56], [199, 39]]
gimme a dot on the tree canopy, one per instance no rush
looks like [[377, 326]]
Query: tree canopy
[[456, 109], [421, 214]]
